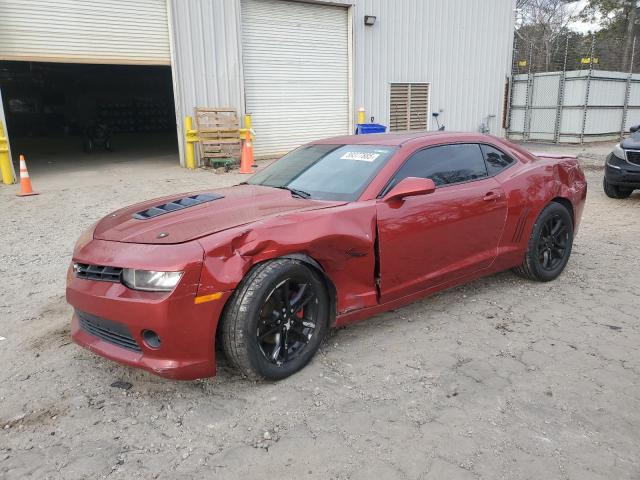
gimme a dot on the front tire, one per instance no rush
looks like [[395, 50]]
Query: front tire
[[549, 246], [276, 319], [614, 191]]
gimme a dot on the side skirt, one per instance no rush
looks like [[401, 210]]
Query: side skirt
[[357, 315]]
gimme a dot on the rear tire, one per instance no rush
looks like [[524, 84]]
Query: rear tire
[[264, 335], [549, 246], [614, 191]]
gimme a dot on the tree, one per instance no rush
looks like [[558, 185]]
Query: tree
[[618, 18], [542, 23]]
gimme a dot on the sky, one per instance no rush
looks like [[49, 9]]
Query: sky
[[579, 26]]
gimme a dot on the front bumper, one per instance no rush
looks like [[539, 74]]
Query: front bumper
[[187, 330], [627, 175]]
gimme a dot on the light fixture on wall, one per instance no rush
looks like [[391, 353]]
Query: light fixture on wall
[[369, 20]]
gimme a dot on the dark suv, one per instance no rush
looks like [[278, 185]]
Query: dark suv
[[622, 167]]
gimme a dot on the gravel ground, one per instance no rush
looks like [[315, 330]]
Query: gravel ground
[[501, 378]]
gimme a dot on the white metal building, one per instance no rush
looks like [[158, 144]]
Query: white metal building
[[301, 68]]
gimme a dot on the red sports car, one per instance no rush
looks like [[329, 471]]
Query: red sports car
[[336, 231]]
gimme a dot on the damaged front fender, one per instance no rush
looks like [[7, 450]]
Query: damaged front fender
[[340, 240]]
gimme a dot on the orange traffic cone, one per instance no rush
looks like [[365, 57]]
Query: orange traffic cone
[[246, 159], [25, 181]]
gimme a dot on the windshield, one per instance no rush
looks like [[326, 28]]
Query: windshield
[[326, 172]]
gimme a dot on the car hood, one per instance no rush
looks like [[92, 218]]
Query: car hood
[[631, 143], [235, 206]]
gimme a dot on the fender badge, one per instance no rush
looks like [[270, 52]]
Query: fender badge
[[163, 234]]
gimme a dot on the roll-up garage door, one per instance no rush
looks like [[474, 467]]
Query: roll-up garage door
[[296, 72], [85, 31]]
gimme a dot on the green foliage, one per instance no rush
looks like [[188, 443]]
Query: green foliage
[[543, 37], [613, 16]]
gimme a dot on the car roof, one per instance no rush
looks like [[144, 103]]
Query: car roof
[[398, 139]]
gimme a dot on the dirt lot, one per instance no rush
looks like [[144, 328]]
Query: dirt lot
[[502, 378]]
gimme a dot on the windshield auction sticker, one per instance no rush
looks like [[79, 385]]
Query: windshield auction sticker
[[361, 156]]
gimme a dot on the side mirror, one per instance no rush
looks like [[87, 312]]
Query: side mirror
[[410, 187], [634, 128]]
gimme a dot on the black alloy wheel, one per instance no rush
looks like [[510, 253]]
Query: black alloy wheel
[[552, 242], [276, 319], [549, 246], [288, 320]]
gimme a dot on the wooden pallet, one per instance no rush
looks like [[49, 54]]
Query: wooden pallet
[[218, 135]]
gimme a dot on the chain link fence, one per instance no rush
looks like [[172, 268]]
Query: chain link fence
[[574, 89]]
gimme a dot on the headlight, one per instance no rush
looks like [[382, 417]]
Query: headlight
[[150, 281], [615, 162], [619, 152]]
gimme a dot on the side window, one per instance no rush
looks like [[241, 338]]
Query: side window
[[496, 160], [445, 164]]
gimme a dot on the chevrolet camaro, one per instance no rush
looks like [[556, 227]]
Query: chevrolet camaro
[[333, 232]]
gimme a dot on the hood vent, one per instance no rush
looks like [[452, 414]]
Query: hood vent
[[175, 205]]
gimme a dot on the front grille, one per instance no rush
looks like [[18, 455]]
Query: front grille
[[97, 272], [179, 204], [112, 332], [633, 157]]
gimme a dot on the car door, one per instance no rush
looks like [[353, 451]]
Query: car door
[[427, 240]]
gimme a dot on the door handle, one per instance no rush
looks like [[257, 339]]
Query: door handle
[[491, 196]]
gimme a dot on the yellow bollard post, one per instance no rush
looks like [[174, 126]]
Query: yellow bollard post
[[247, 121], [5, 162], [190, 137], [362, 117]]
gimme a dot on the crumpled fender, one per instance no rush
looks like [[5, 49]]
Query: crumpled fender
[[551, 176], [340, 239], [572, 185], [566, 180], [531, 189]]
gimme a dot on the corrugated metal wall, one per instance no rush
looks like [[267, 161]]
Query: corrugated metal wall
[[206, 56], [85, 31], [461, 47]]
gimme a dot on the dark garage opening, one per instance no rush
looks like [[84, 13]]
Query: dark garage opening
[[74, 116]]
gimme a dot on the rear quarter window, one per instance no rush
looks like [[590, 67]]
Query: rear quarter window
[[496, 160]]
